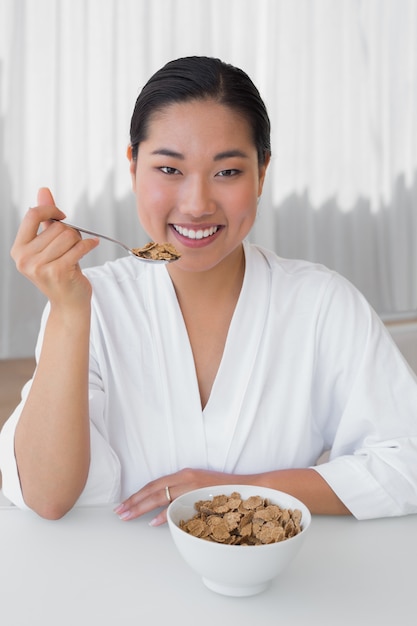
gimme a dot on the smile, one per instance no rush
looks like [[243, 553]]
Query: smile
[[196, 234]]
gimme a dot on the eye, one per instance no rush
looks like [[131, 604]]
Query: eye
[[169, 170], [228, 173]]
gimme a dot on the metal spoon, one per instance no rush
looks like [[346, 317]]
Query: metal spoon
[[136, 252]]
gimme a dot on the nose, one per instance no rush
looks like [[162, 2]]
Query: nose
[[196, 198]]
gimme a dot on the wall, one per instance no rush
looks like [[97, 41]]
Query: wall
[[404, 333]]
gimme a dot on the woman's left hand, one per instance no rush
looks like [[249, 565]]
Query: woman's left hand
[[159, 493]]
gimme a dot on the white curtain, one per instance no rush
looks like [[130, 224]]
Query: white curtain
[[339, 78]]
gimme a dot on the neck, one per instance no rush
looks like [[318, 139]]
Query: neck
[[224, 279]]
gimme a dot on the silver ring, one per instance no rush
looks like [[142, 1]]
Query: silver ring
[[167, 494]]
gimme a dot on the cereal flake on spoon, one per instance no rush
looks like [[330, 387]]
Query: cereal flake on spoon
[[157, 252]]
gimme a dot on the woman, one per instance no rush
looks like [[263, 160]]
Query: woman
[[230, 365]]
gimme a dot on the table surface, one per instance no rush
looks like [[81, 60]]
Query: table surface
[[92, 568]]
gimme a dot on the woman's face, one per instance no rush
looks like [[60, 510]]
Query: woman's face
[[197, 181]]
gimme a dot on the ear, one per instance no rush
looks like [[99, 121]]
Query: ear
[[262, 173], [132, 166]]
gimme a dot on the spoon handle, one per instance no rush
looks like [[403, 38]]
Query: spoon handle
[[90, 232]]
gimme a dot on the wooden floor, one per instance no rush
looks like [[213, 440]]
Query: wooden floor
[[13, 375]]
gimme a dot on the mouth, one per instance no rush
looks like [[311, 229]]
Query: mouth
[[196, 233]]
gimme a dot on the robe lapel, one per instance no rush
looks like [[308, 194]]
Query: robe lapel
[[178, 381], [225, 407]]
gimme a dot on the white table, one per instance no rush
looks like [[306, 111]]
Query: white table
[[92, 569]]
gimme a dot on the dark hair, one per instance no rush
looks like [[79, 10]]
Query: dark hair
[[200, 78]]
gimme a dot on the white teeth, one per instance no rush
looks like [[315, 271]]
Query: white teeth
[[196, 234]]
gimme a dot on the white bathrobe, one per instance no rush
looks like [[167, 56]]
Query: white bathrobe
[[307, 367]]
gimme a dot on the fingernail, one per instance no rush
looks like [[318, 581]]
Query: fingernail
[[122, 511], [154, 522]]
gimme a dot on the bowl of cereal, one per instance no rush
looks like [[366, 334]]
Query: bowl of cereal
[[238, 538]]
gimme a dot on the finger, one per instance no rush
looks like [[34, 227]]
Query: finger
[[59, 245], [66, 244], [31, 222], [160, 519], [139, 504], [45, 197], [152, 496], [28, 239]]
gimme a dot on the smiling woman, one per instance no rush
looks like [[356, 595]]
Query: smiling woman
[[201, 191], [231, 365]]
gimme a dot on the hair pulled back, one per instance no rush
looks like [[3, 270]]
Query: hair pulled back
[[202, 78]]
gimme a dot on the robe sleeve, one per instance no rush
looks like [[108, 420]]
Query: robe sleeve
[[367, 399], [103, 482]]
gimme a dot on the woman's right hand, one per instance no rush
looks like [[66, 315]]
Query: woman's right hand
[[50, 257]]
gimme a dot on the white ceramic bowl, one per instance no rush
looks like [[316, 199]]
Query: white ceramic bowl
[[235, 570]]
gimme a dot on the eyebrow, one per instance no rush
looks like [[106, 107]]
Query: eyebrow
[[169, 153], [227, 154]]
